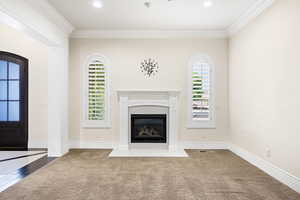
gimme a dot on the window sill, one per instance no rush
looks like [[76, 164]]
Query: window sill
[[95, 124], [201, 125]]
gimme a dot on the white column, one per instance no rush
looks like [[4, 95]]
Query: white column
[[173, 123], [123, 142], [58, 88]]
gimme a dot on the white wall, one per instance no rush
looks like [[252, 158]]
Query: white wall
[[18, 43], [125, 56], [264, 95]]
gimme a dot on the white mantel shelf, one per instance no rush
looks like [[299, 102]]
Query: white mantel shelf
[[139, 91], [146, 90], [137, 97]]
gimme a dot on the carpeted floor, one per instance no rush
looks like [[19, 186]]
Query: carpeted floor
[[91, 175]]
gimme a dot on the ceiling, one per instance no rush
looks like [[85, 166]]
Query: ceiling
[[162, 15]]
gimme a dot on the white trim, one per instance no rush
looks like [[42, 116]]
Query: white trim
[[106, 123], [75, 144], [132, 98], [274, 171], [149, 34], [279, 174], [49, 11], [209, 124], [16, 24], [39, 144], [22, 16], [88, 124], [61, 23], [159, 103], [132, 91], [254, 11], [204, 145], [205, 124]]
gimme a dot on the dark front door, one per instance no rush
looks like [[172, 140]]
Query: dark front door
[[13, 102]]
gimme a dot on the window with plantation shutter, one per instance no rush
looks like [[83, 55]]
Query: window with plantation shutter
[[200, 103], [200, 92], [96, 91], [96, 100]]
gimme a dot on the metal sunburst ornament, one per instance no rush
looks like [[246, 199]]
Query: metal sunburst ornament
[[149, 67]]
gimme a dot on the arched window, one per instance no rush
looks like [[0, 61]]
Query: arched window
[[201, 101], [96, 92]]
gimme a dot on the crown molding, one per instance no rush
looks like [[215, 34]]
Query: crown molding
[[51, 13], [254, 11], [30, 17], [130, 34], [16, 23], [57, 19]]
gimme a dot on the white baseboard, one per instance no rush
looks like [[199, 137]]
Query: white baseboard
[[204, 145], [90, 145], [184, 145], [274, 171], [37, 144]]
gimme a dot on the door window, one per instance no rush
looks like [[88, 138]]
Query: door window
[[9, 91]]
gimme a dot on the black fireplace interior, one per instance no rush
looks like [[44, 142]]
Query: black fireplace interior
[[148, 128]]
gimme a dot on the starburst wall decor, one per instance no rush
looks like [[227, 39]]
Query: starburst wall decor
[[149, 67]]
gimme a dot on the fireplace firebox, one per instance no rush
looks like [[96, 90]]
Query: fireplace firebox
[[148, 128]]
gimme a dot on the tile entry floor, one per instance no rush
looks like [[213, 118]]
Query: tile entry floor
[[15, 165]]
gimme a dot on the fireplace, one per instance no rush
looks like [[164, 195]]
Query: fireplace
[[148, 128], [158, 105]]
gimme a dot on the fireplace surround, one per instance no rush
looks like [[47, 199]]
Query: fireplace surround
[[148, 102]]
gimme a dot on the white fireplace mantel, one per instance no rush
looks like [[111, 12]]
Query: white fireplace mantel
[[161, 98], [135, 91]]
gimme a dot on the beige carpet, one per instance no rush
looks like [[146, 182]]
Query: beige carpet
[[91, 175]]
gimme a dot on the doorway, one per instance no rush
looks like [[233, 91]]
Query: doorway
[[13, 102]]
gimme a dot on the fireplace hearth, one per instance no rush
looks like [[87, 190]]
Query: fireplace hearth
[[148, 128]]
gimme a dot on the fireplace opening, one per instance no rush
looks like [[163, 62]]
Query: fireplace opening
[[148, 128]]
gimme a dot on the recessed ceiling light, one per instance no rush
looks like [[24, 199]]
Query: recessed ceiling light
[[207, 3], [97, 4]]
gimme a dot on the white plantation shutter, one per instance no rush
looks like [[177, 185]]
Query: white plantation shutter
[[201, 91], [96, 98], [201, 112], [96, 90]]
